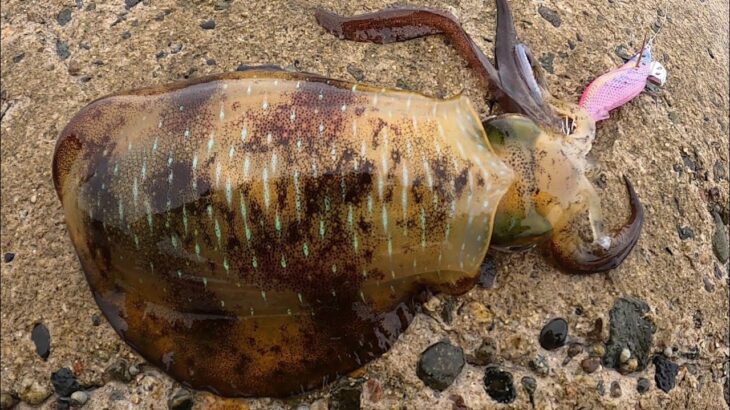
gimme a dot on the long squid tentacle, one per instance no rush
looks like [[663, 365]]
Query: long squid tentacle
[[589, 258]]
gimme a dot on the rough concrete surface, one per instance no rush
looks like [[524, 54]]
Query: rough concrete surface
[[57, 56]]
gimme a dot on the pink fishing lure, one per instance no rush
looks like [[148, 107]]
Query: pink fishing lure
[[621, 85]]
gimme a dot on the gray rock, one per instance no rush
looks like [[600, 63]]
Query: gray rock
[[64, 16], [550, 15], [346, 398], [666, 373], [546, 62], [499, 385], [62, 49], [440, 364], [615, 389], [530, 385], [720, 239], [643, 385], [80, 397], [590, 364], [355, 72], [629, 329], [207, 25]]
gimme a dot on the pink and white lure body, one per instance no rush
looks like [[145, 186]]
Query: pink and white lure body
[[621, 85]]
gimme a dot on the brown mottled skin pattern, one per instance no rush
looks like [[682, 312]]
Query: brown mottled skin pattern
[[263, 242]]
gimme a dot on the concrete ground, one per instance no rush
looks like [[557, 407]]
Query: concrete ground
[[57, 56]]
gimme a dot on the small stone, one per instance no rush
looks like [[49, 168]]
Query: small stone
[[95, 320], [530, 385], [601, 388], [629, 329], [554, 334], [540, 365], [571, 44], [221, 5], [207, 25], [133, 370], [119, 371], [63, 403], [8, 257], [629, 366], [643, 385], [598, 350], [64, 16], [485, 354], [7, 401], [181, 399], [79, 397], [615, 389], [447, 310], [709, 286], [487, 273], [346, 398], [685, 232], [546, 62], [33, 392], [590, 364], [64, 382], [499, 385], [719, 170], [355, 72], [161, 55], [440, 364], [42, 339], [128, 4], [18, 57], [623, 52], [574, 349], [550, 15], [665, 373], [126, 35], [720, 245], [625, 355], [74, 68], [62, 49], [210, 61]]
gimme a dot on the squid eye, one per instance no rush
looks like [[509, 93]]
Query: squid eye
[[510, 129]]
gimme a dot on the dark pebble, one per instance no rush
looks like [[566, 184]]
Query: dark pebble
[[346, 398], [530, 385], [64, 16], [447, 311], [130, 3], [499, 385], [571, 44], [42, 339], [440, 364], [590, 364], [8, 257], [64, 382], [210, 61], [709, 286], [685, 232], [62, 49], [85, 78], [182, 399], [629, 328], [18, 57], [355, 72], [546, 62], [720, 245], [485, 354], [550, 15], [63, 403], [554, 334], [601, 388], [487, 273], [665, 373], [126, 35], [615, 389], [208, 25], [643, 385], [95, 320], [161, 54]]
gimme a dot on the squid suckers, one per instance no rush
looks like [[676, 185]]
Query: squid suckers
[[261, 233]]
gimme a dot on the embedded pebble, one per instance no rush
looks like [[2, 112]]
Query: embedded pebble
[[575, 349], [7, 400], [590, 364], [210, 61], [181, 399], [62, 49], [64, 382], [42, 340], [720, 245], [685, 232], [64, 16], [130, 3], [629, 366], [32, 392], [95, 320], [601, 388], [499, 385], [615, 389], [355, 72], [79, 397], [119, 371], [554, 334], [550, 15], [625, 355], [346, 398], [208, 25], [8, 257], [530, 385], [665, 373], [485, 354], [629, 329], [598, 350], [440, 364], [643, 385], [540, 365], [487, 273]]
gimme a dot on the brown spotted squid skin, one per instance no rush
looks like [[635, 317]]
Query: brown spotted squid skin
[[261, 233]]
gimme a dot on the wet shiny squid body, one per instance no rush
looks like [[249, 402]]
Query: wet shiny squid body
[[260, 233]]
